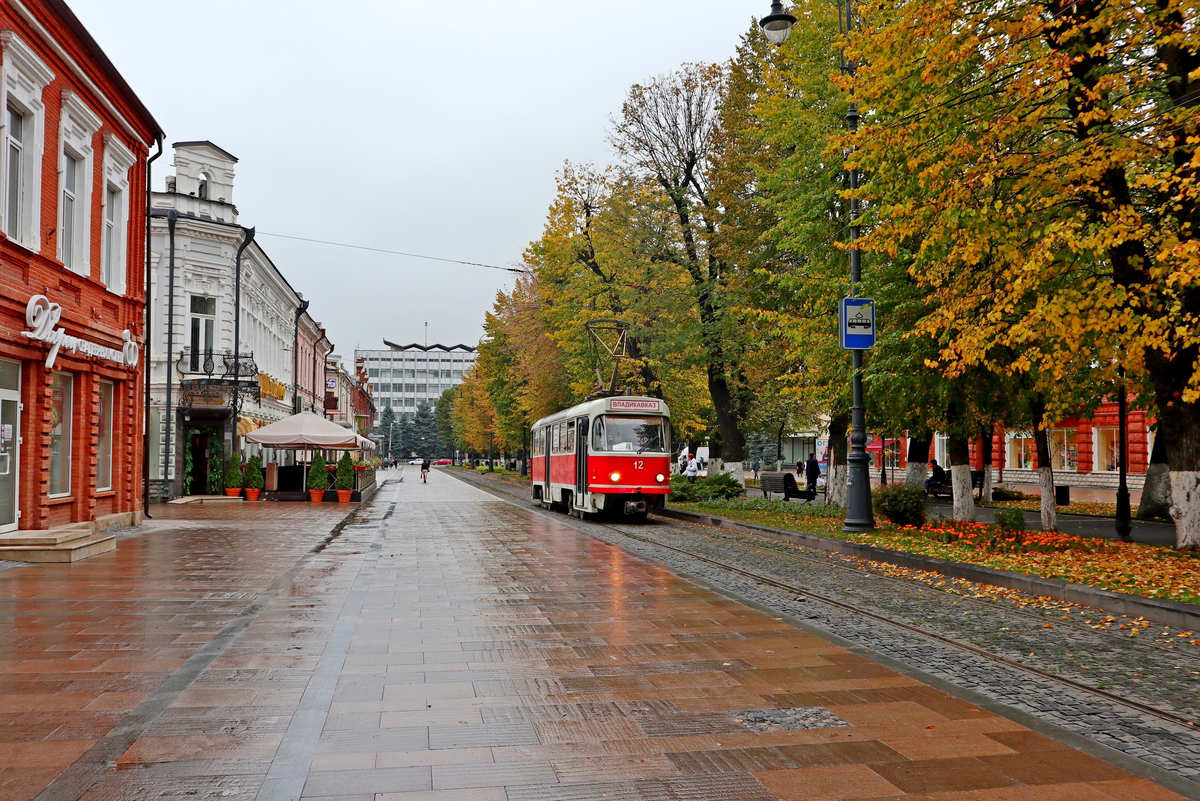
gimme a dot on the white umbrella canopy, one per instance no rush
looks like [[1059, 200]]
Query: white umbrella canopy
[[308, 431]]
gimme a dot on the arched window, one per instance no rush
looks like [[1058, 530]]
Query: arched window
[[202, 191]]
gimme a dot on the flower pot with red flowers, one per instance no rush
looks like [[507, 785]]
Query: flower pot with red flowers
[[318, 478], [254, 478], [233, 476]]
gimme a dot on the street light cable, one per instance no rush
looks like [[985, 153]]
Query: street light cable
[[395, 252]]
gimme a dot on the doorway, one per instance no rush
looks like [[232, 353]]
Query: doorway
[[10, 444], [203, 454], [581, 452]]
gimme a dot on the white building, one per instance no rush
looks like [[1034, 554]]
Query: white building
[[405, 375], [194, 386]]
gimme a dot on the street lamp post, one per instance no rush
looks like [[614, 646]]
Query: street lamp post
[[778, 26]]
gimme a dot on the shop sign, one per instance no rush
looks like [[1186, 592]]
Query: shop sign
[[270, 387], [42, 316]]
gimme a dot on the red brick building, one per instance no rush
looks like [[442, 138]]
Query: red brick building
[[72, 212]]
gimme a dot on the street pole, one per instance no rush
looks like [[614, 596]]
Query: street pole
[[859, 516], [1123, 524]]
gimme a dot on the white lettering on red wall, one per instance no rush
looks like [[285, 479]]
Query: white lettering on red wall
[[42, 316]]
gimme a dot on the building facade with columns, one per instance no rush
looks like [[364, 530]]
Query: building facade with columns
[[76, 141], [207, 393]]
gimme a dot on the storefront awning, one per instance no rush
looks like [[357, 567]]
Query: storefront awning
[[247, 424], [878, 445]]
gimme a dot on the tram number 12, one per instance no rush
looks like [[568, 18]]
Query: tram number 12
[[638, 465]]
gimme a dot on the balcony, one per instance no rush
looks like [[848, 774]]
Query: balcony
[[216, 378]]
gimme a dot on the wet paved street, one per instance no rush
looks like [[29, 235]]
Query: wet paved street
[[447, 645]]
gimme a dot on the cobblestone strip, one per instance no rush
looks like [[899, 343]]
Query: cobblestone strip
[[1171, 748]]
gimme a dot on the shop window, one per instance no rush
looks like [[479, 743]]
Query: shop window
[[104, 452], [1022, 450], [61, 392], [1064, 455], [203, 328], [1107, 448]]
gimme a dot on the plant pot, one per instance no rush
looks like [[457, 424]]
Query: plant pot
[[344, 495], [252, 494], [316, 495], [233, 492]]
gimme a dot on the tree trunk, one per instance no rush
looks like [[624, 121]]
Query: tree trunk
[[838, 477], [985, 448], [1045, 474], [1156, 492], [960, 478], [918, 459], [1179, 431]]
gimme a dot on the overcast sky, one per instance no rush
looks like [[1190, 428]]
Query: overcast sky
[[431, 127]]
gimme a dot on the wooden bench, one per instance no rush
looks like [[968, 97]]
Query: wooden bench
[[784, 484], [947, 490]]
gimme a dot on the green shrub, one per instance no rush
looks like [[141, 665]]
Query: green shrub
[[1002, 494], [775, 506], [1010, 520], [344, 480], [233, 474], [717, 486], [254, 474], [318, 473], [901, 504]]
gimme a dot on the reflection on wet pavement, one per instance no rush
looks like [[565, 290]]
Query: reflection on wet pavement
[[446, 645]]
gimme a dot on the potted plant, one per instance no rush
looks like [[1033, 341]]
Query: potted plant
[[344, 480], [318, 478], [254, 478], [233, 476]]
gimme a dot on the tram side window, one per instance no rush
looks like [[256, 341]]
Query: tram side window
[[570, 437], [598, 434]]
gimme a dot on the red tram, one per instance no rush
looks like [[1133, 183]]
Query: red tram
[[608, 455]]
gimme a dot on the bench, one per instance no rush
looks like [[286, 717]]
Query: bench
[[784, 484], [947, 490]]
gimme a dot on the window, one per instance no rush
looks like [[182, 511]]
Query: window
[[67, 230], [104, 450], [941, 449], [61, 390], [628, 434], [1022, 451], [202, 186], [1063, 453], [204, 323], [77, 131], [570, 438], [1108, 448], [115, 215], [156, 416], [15, 163], [25, 77]]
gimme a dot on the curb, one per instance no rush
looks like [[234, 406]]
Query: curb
[[1172, 613]]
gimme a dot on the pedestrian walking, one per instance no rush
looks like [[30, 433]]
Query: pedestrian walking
[[683, 460], [756, 466], [692, 469], [812, 472], [424, 471]]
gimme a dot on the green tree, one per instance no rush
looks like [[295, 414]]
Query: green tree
[[425, 440]]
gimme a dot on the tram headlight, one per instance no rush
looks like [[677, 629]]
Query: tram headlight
[[615, 477], [661, 478]]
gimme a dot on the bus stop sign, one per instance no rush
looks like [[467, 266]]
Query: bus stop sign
[[856, 323]]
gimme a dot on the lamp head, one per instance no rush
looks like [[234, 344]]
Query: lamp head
[[778, 24]]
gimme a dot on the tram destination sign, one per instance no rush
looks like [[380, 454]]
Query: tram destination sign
[[42, 316], [634, 405], [856, 323]]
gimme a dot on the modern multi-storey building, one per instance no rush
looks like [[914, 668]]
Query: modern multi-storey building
[[405, 375], [72, 237]]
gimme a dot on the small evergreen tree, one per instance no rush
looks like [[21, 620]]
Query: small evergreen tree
[[254, 474], [318, 474], [233, 474], [345, 472]]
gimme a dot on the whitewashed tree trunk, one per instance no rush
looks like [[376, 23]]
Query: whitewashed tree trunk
[[964, 501], [1049, 511], [737, 470], [915, 474], [778, 465], [1185, 508], [837, 482], [987, 483]]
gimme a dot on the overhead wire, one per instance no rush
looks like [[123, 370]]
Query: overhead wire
[[395, 252]]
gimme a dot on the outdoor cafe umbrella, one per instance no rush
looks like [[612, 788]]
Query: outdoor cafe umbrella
[[307, 430]]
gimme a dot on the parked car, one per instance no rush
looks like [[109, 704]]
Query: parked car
[[415, 461], [442, 461]]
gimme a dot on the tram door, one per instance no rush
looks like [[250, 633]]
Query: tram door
[[548, 443], [581, 449]]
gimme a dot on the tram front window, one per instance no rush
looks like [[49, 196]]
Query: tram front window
[[628, 434]]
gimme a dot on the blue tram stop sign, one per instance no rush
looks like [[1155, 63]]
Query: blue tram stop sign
[[856, 323]]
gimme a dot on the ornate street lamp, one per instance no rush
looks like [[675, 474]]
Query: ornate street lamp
[[778, 26]]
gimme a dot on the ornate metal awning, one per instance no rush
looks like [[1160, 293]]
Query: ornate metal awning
[[220, 377]]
